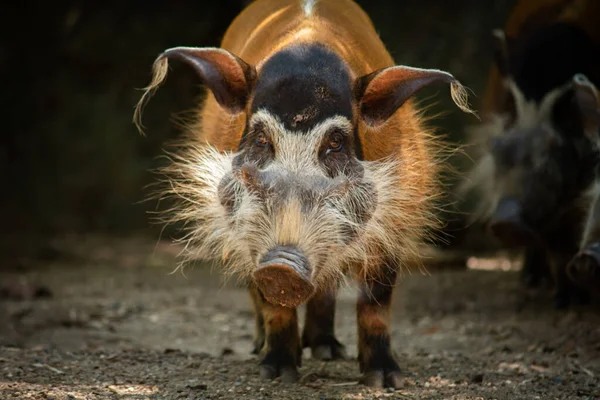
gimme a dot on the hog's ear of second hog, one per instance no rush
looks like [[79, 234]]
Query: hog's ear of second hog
[[588, 104], [229, 78], [380, 93], [502, 50]]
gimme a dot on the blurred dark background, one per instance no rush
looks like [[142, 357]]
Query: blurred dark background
[[71, 159]]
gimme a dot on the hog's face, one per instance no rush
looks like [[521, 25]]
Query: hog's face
[[543, 161], [304, 196]]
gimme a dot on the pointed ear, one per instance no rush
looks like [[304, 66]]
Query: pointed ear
[[588, 104], [501, 52], [229, 78], [382, 92]]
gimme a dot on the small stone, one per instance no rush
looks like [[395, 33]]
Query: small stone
[[170, 350], [548, 349], [227, 351], [197, 386]]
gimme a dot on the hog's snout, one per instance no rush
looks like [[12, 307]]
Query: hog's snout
[[284, 276], [508, 226]]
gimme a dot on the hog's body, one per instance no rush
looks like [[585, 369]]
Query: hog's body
[[309, 163], [540, 135]]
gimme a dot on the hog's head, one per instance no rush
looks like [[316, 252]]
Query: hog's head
[[542, 152], [295, 203]]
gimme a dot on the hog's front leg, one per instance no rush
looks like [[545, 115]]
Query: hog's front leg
[[259, 327], [281, 351], [375, 356], [319, 323]]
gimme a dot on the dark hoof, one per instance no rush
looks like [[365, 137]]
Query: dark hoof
[[258, 342], [383, 370], [288, 373], [326, 348], [381, 378], [327, 352], [258, 345]]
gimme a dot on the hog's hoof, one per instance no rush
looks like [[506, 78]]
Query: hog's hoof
[[326, 348], [281, 363], [381, 370], [329, 352], [288, 373], [381, 378], [258, 345]]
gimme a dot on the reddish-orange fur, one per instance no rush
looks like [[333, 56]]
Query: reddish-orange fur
[[268, 25]]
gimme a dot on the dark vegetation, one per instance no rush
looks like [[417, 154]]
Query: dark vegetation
[[70, 157]]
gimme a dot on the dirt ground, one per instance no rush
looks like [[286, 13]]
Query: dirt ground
[[108, 320]]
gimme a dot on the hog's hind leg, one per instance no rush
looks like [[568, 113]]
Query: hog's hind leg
[[281, 352], [535, 267], [375, 355], [319, 324]]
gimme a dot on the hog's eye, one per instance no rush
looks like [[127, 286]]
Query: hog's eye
[[261, 139], [335, 142]]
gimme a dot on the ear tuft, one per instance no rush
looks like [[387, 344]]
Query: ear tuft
[[159, 73], [460, 97]]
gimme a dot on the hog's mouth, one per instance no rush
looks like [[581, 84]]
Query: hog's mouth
[[284, 277]]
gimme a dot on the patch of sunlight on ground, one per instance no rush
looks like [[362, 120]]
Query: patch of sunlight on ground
[[500, 263]]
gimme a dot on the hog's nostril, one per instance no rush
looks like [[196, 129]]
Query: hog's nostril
[[284, 276]]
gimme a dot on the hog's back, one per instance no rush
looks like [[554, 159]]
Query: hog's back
[[266, 26], [529, 15]]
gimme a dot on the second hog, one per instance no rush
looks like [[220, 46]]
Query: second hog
[[537, 175]]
